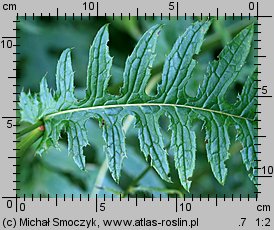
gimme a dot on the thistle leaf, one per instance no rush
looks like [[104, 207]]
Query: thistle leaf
[[61, 111]]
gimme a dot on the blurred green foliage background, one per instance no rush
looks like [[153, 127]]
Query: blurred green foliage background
[[41, 43]]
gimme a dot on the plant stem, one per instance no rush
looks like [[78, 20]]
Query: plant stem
[[31, 138], [100, 178], [136, 180], [29, 129]]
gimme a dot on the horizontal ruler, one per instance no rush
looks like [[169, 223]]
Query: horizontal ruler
[[130, 213]]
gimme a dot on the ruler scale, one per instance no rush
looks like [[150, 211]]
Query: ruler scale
[[253, 210]]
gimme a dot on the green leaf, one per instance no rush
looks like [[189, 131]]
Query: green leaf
[[178, 68], [99, 66], [138, 67], [29, 107], [60, 110], [64, 81], [220, 75]]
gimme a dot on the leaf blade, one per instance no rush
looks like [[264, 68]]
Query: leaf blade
[[138, 67], [171, 100], [65, 81], [99, 65]]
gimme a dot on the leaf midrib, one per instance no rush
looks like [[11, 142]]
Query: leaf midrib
[[144, 105]]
